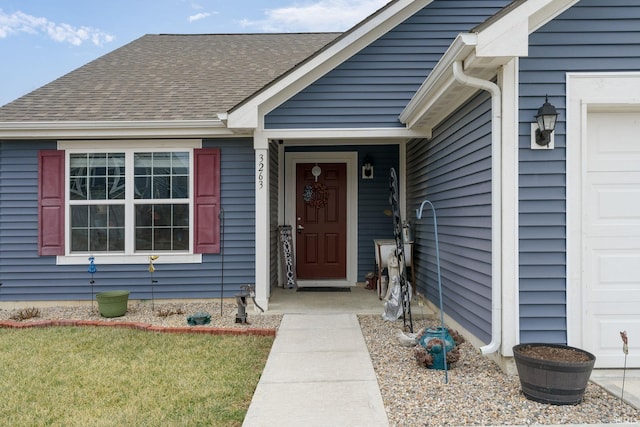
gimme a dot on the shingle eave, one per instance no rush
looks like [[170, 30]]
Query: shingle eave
[[166, 78]]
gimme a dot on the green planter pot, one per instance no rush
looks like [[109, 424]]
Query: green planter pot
[[112, 303]]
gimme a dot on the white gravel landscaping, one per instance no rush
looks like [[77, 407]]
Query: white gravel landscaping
[[477, 391]]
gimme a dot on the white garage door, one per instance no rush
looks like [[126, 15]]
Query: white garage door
[[611, 237]]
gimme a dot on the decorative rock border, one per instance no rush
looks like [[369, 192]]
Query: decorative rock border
[[12, 324]]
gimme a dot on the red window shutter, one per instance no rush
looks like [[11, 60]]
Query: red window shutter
[[207, 200], [51, 202]]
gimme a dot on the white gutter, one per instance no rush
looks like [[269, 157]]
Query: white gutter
[[496, 202], [114, 129]]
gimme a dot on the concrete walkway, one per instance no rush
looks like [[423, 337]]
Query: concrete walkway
[[318, 373], [620, 384]]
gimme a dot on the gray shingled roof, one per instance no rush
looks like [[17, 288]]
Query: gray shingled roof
[[168, 77]]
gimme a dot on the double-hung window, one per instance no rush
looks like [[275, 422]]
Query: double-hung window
[[97, 187], [161, 201], [126, 203], [155, 186]]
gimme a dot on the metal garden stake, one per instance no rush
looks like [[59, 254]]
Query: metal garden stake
[[151, 270], [437, 244], [625, 350], [221, 217], [92, 270]]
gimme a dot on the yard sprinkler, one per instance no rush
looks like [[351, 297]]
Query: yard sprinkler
[[151, 270], [625, 350], [92, 270], [435, 234]]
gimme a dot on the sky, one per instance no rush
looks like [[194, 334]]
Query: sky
[[41, 40]]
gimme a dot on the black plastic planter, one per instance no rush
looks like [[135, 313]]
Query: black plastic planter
[[551, 381]]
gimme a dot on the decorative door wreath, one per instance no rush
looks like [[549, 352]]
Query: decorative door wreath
[[316, 195]]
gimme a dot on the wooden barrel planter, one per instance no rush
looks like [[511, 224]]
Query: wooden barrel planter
[[553, 373], [112, 303]]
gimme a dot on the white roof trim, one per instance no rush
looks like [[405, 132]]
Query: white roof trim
[[342, 134], [249, 115], [509, 35], [436, 86], [482, 53], [546, 13], [114, 129]]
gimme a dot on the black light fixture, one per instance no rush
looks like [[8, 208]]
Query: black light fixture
[[546, 119], [367, 168]]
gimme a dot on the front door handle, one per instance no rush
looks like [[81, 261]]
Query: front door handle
[[300, 228]]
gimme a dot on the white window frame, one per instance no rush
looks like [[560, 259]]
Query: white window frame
[[129, 147]]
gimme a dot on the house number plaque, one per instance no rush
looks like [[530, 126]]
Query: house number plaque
[[260, 171]]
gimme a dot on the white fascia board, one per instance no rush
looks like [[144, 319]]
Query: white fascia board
[[439, 81], [342, 134], [547, 12], [223, 117], [114, 129], [245, 117], [482, 54], [511, 39], [509, 35], [249, 115]]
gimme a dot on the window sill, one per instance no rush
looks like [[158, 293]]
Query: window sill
[[82, 259]]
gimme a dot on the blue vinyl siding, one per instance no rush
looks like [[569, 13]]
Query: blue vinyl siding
[[594, 35], [453, 171], [373, 198], [373, 201], [27, 276], [372, 88]]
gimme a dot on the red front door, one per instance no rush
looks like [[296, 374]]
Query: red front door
[[321, 221]]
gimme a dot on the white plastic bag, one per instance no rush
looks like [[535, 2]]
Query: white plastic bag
[[393, 305]]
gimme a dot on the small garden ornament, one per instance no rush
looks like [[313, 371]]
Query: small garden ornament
[[199, 318], [92, 270], [151, 270], [438, 348], [625, 350]]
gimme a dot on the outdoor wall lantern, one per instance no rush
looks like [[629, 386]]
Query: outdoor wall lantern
[[546, 119], [367, 168]]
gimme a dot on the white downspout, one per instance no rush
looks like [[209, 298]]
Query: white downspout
[[496, 201]]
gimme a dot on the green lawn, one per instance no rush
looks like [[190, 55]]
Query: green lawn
[[98, 376]]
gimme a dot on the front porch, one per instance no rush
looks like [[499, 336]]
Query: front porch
[[359, 301], [285, 171]]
